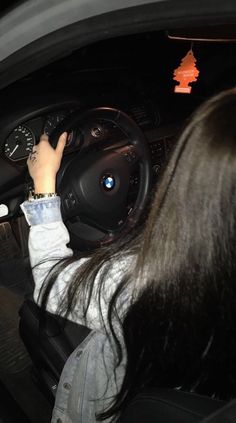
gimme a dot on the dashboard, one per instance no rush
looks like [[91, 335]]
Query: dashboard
[[21, 130], [24, 135]]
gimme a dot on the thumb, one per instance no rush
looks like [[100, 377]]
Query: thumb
[[61, 143]]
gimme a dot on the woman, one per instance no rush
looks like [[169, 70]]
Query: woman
[[162, 306]]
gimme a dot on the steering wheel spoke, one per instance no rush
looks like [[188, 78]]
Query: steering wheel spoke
[[89, 234], [131, 154]]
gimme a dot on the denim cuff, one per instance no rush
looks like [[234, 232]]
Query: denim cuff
[[41, 211]]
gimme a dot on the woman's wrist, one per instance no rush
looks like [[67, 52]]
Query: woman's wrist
[[45, 186]]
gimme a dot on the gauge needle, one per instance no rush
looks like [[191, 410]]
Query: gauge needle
[[17, 145]]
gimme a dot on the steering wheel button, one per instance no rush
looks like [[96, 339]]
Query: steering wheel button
[[70, 201], [70, 204], [128, 157]]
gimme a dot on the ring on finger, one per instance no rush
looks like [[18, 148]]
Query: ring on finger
[[32, 158], [32, 155]]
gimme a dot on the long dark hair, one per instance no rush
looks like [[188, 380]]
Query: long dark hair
[[179, 330]]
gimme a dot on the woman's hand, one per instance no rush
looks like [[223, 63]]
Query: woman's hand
[[44, 162]]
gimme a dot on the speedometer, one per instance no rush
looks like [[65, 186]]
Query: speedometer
[[19, 143]]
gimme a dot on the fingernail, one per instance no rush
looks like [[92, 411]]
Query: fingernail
[[64, 135]]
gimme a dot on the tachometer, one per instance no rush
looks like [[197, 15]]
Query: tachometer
[[19, 143]]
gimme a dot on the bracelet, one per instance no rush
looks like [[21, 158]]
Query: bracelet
[[33, 196]]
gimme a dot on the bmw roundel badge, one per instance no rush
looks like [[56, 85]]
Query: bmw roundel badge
[[108, 182]]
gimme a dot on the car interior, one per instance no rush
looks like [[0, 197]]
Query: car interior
[[117, 100]]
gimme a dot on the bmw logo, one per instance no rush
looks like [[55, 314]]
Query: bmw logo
[[108, 182]]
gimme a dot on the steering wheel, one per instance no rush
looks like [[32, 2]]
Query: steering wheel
[[96, 185]]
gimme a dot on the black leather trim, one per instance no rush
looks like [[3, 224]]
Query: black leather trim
[[169, 406]]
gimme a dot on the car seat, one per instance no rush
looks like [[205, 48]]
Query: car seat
[[51, 341]]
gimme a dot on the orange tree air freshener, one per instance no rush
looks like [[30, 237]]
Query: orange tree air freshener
[[186, 73]]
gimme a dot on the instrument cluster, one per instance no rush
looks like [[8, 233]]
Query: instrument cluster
[[22, 139]]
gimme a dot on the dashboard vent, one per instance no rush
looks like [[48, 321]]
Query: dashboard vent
[[144, 116]]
